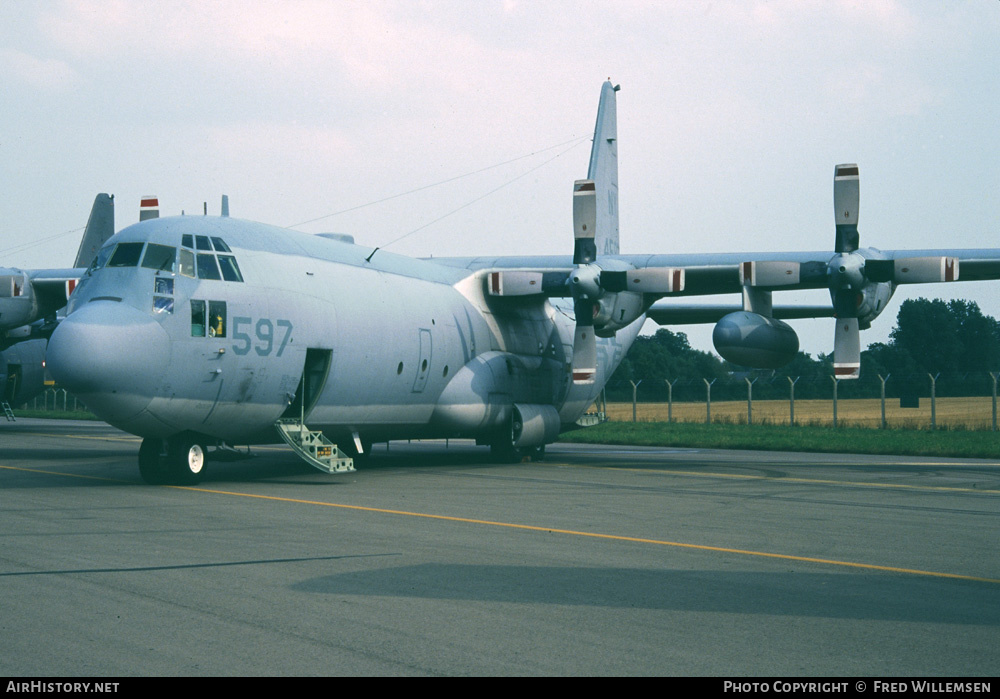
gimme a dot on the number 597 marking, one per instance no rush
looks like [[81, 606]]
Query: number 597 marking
[[264, 332]]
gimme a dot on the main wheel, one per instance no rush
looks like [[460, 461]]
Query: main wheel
[[187, 460], [536, 453], [151, 463]]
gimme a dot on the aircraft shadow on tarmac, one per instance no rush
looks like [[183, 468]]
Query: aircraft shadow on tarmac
[[887, 597]]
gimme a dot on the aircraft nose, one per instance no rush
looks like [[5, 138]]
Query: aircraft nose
[[110, 355]]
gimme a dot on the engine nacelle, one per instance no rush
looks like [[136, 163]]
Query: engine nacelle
[[617, 310], [22, 371], [751, 340], [535, 425], [18, 305], [874, 298]]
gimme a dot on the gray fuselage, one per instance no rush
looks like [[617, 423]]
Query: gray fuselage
[[158, 341]]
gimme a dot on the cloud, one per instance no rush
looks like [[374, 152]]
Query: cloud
[[47, 74]]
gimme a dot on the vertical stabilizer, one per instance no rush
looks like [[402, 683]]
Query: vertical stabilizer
[[604, 171], [100, 227]]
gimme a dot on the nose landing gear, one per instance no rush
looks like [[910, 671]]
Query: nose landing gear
[[179, 460]]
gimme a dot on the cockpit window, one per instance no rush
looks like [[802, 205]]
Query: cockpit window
[[207, 265], [102, 256], [230, 270], [126, 255], [187, 263], [160, 257], [207, 269]]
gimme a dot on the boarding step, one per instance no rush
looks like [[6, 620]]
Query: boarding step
[[8, 413], [315, 449]]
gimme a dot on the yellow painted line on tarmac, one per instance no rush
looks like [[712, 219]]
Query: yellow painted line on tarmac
[[547, 530], [594, 535], [785, 479], [126, 438], [68, 475]]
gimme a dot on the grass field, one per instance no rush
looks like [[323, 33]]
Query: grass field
[[951, 413], [806, 438]]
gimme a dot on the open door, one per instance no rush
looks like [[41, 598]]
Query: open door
[[312, 445], [314, 375]]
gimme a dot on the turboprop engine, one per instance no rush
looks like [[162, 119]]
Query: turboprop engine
[[860, 281], [750, 339], [22, 371]]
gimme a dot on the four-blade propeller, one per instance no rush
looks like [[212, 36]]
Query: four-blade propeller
[[848, 273]]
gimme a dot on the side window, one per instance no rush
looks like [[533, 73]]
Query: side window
[[198, 321], [163, 304], [217, 318]]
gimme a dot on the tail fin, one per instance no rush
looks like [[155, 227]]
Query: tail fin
[[100, 227], [604, 171]]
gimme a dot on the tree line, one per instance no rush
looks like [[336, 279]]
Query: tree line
[[951, 340]]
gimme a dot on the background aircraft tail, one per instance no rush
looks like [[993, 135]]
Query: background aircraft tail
[[100, 227], [604, 171]]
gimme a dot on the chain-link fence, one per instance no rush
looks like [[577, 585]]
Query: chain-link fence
[[928, 401]]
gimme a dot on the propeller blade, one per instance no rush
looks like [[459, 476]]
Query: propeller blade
[[523, 282], [584, 363], [649, 280], [584, 221], [769, 273], [913, 270], [846, 195], [847, 349], [514, 283]]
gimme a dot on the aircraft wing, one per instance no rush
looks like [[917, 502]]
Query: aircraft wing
[[665, 312], [28, 295]]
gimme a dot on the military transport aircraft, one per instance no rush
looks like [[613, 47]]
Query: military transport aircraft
[[193, 331], [29, 300]]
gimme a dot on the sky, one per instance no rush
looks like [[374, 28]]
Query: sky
[[731, 117]]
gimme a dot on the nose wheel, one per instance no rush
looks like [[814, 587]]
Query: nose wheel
[[152, 466], [177, 461]]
